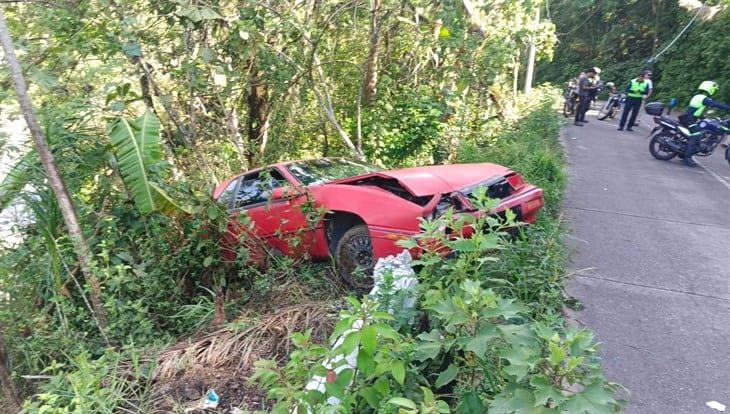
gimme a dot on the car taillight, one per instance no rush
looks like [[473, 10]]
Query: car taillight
[[532, 206], [516, 181]]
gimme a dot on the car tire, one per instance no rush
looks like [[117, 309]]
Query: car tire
[[355, 259]]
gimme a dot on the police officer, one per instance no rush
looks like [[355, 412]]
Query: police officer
[[697, 107], [585, 87], [635, 92]]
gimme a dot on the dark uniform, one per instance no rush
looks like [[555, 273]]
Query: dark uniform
[[697, 107], [585, 87], [635, 92]]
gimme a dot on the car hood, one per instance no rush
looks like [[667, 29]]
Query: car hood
[[438, 179]]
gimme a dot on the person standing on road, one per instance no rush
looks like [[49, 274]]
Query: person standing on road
[[585, 87], [697, 107], [636, 90]]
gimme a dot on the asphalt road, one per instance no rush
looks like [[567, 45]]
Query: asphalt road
[[650, 252]]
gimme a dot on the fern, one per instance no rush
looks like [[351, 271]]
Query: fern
[[16, 179], [137, 149]]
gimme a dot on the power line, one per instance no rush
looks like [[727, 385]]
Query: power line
[[653, 59]]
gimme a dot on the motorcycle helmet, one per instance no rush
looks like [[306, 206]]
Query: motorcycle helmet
[[597, 70], [610, 84], [709, 86]]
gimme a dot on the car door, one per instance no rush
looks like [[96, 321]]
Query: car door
[[276, 224]]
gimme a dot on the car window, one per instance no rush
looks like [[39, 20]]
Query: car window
[[256, 187], [324, 170], [227, 195]]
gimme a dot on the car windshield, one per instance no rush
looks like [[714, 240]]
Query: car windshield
[[312, 172]]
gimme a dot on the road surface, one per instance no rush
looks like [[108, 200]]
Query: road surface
[[650, 252]]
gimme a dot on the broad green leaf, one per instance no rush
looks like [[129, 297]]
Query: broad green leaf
[[385, 316], [368, 339], [352, 340], [386, 331], [402, 402], [470, 403], [365, 363], [544, 391], [427, 350], [478, 345], [557, 354], [398, 370], [429, 345], [463, 245], [137, 149], [371, 397], [520, 401], [334, 389], [447, 376], [594, 399]]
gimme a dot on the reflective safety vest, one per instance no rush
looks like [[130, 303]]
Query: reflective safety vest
[[637, 88], [697, 105]]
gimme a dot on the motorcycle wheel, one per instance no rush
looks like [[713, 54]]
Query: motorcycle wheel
[[613, 112], [659, 149], [605, 110], [568, 108]]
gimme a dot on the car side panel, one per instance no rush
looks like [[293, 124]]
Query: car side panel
[[388, 217]]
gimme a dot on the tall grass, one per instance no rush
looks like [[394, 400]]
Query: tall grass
[[533, 266]]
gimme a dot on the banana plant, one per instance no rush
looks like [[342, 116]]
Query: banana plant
[[138, 152]]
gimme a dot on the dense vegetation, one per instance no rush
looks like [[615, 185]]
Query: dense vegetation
[[621, 37], [209, 89]]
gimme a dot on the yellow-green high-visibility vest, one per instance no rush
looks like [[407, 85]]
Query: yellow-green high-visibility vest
[[637, 88], [698, 104]]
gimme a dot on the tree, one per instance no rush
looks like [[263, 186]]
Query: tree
[[54, 177]]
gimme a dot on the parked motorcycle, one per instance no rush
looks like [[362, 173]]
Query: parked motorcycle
[[612, 106], [669, 137], [571, 99]]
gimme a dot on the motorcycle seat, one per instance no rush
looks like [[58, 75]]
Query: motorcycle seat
[[669, 120]]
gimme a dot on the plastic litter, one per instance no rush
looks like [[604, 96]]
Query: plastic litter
[[211, 399], [716, 406]]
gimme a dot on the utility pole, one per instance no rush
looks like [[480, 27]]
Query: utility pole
[[531, 56]]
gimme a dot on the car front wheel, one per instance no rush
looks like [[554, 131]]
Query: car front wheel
[[355, 259]]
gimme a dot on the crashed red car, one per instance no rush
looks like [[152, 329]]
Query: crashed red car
[[367, 209]]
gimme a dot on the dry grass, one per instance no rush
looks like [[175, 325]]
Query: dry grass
[[238, 350]]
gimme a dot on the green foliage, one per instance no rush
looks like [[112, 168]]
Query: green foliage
[[495, 340], [139, 155], [405, 133], [115, 382], [619, 37], [207, 78], [481, 353]]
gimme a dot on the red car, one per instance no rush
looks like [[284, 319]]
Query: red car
[[356, 212]]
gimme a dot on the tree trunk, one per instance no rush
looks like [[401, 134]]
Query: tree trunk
[[258, 115], [515, 74], [12, 398], [54, 177], [325, 102], [531, 55], [656, 6], [370, 72]]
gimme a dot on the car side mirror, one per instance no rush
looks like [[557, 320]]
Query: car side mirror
[[286, 193]]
